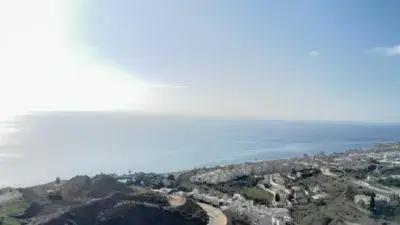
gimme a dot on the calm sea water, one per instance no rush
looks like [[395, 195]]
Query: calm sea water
[[67, 144]]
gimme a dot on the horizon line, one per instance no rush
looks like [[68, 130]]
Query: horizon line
[[237, 117]]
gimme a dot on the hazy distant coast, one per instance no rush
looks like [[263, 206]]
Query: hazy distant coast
[[118, 142]]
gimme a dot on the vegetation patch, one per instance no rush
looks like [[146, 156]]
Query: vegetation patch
[[332, 211], [387, 171], [12, 208], [258, 195], [150, 180], [390, 181], [387, 211]]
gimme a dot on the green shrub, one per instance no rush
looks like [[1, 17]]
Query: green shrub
[[257, 195], [390, 182]]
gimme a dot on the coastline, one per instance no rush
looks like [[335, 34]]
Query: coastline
[[224, 165], [252, 190], [374, 147]]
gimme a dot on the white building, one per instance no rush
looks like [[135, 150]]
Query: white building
[[391, 156]]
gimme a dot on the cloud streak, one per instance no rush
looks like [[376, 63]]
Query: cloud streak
[[314, 53], [384, 51], [167, 86], [10, 155]]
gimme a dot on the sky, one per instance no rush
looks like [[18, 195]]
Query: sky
[[313, 60], [303, 60], [295, 60]]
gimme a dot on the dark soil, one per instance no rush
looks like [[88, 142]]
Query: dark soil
[[191, 210], [144, 213], [120, 208], [103, 200], [74, 193]]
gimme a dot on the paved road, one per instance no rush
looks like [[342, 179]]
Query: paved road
[[366, 185], [390, 191]]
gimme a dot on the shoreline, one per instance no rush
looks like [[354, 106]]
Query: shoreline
[[374, 147], [241, 163]]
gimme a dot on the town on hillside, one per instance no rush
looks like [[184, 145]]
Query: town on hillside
[[357, 186]]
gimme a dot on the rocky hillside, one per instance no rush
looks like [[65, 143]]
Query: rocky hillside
[[96, 187], [119, 208], [98, 200]]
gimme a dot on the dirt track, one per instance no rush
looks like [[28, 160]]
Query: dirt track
[[176, 200], [215, 214]]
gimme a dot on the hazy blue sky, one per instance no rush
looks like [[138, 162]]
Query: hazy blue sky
[[314, 60], [292, 59], [305, 60]]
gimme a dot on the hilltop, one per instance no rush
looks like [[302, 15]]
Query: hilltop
[[98, 200]]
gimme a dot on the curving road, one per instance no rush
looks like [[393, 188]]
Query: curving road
[[216, 216]]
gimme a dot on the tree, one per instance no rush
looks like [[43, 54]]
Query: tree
[[170, 181], [273, 168], [293, 171], [277, 197], [362, 204], [350, 192], [290, 196], [394, 197], [372, 205], [129, 182], [371, 168], [129, 172], [171, 177]]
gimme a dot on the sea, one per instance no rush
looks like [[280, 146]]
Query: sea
[[49, 145]]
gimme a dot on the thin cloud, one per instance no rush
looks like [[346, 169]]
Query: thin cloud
[[10, 155], [384, 51], [167, 86], [314, 54]]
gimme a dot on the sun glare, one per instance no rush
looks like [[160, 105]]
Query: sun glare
[[42, 69]]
